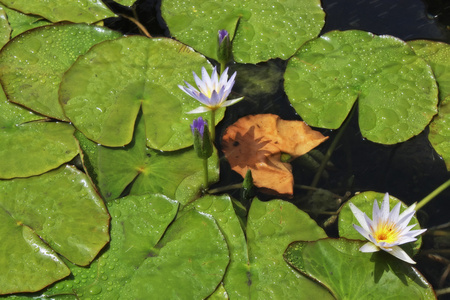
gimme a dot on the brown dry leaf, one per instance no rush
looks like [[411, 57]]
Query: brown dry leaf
[[256, 142]]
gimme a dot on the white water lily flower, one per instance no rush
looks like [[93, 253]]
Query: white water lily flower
[[213, 90], [387, 230]]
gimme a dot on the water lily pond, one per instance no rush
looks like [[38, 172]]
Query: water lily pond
[[224, 149]]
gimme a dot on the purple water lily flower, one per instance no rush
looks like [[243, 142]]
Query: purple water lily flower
[[198, 124], [212, 91]]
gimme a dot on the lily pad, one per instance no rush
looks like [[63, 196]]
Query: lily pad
[[261, 29], [61, 209], [177, 174], [437, 55], [395, 88], [5, 28], [31, 146], [19, 22], [105, 89], [351, 274], [364, 201], [235, 281], [188, 262], [439, 135], [80, 11], [32, 64], [271, 227]]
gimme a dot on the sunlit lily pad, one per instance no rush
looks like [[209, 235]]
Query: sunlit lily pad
[[61, 209], [439, 135], [80, 11], [143, 260], [5, 28], [105, 89], [271, 227], [437, 55], [20, 22], [31, 146], [32, 64], [351, 274], [395, 88], [261, 29], [364, 201]]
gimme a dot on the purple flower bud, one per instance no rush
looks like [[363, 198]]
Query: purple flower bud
[[198, 124], [223, 34]]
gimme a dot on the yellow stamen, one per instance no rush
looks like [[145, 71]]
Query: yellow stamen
[[386, 232]]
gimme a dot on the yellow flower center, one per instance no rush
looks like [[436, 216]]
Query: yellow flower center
[[386, 232]]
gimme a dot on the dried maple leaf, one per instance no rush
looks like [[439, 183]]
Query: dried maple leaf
[[256, 142]]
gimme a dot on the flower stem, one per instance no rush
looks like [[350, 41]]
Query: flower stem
[[433, 194], [212, 125], [205, 173]]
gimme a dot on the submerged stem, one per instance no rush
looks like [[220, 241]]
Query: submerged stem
[[433, 194], [330, 150]]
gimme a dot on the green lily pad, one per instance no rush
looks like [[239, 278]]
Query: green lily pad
[[31, 146], [271, 227], [5, 28], [80, 11], [236, 278], [351, 274], [27, 263], [364, 201], [137, 224], [437, 55], [395, 88], [177, 174], [105, 89], [261, 29], [61, 209], [188, 262], [439, 135], [32, 64], [19, 22]]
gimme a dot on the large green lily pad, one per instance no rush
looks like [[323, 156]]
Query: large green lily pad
[[351, 274], [103, 92], [5, 28], [395, 88], [437, 55], [271, 227], [19, 22], [364, 201], [261, 29], [32, 64], [439, 135], [55, 212], [188, 262], [80, 11], [30, 145]]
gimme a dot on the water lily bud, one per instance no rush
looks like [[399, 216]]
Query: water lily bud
[[202, 140], [224, 50]]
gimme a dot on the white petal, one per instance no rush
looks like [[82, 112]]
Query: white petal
[[361, 231], [401, 254], [407, 212], [405, 239], [360, 216], [385, 208], [393, 215], [414, 233], [200, 83], [231, 102], [199, 110], [224, 78], [369, 247]]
